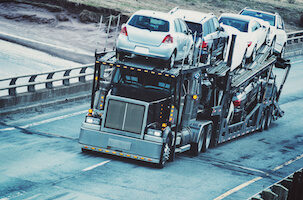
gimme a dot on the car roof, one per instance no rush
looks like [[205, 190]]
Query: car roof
[[237, 16], [260, 11], [156, 14], [190, 15]]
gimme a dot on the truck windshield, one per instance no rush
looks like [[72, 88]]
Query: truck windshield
[[144, 80]]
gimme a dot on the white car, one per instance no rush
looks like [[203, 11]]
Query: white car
[[240, 48], [277, 35], [156, 35], [254, 30]]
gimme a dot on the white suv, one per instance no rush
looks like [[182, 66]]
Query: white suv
[[277, 36]]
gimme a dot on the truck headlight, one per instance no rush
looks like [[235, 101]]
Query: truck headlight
[[92, 120], [154, 132]]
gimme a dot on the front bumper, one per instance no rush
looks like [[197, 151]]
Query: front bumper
[[120, 145]]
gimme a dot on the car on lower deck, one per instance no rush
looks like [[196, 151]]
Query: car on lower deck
[[156, 35], [207, 33], [277, 35], [249, 27]]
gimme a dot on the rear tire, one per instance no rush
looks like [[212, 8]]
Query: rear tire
[[171, 61], [120, 55], [207, 138], [196, 148]]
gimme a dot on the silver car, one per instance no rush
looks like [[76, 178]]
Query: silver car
[[156, 35]]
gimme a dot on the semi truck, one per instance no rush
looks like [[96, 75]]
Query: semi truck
[[146, 112]]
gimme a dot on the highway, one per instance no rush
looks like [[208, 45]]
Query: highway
[[40, 159]]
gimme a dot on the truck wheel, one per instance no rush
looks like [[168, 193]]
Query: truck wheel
[[196, 148], [207, 138], [263, 121], [166, 151]]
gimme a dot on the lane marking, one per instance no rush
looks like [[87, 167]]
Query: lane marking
[[96, 165], [239, 187], [46, 121], [288, 162], [243, 185], [33, 197], [296, 62]]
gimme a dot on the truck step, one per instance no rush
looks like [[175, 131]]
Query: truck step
[[183, 148]]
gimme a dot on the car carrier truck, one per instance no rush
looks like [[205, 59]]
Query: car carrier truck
[[150, 113]]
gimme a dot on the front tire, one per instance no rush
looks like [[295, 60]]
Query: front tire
[[166, 153]]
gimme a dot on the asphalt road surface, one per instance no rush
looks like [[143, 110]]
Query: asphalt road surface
[[41, 159]]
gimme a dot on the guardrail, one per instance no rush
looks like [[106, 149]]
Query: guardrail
[[30, 81], [295, 37]]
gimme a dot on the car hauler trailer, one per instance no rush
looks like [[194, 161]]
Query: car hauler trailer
[[150, 113]]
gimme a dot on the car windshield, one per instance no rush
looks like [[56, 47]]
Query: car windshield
[[194, 27], [241, 25], [143, 80], [150, 23], [266, 17]]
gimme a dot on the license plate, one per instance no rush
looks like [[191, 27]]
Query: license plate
[[142, 50]]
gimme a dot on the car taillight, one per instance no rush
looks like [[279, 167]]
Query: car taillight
[[168, 39], [237, 103], [249, 44], [204, 45], [124, 31]]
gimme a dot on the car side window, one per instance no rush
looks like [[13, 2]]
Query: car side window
[[279, 24], [211, 26], [216, 23], [183, 26], [177, 26], [206, 28]]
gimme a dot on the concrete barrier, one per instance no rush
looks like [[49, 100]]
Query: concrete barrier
[[289, 188]]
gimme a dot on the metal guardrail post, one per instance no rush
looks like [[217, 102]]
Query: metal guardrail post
[[82, 71], [31, 88], [12, 91], [66, 82], [49, 85]]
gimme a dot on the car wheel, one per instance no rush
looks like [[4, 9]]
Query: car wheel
[[282, 54], [190, 56], [171, 61], [272, 50], [253, 55], [120, 55]]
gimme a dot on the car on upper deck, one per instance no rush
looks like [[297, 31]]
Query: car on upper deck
[[156, 35], [254, 30], [277, 35], [207, 33]]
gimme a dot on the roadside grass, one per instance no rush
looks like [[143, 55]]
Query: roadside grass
[[289, 12]]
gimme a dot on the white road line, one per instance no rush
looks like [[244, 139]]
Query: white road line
[[46, 121], [295, 62], [33, 197], [239, 187], [288, 162], [94, 166]]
